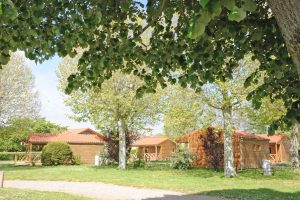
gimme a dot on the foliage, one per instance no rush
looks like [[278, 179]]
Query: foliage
[[181, 160], [18, 129], [184, 111], [57, 153], [184, 60], [118, 44], [116, 99], [214, 148], [17, 94], [138, 163], [112, 144], [43, 28], [258, 120]]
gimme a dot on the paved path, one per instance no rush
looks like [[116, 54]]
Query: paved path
[[104, 191]]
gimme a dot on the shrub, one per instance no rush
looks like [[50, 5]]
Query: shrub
[[181, 160], [138, 163], [5, 157], [57, 153]]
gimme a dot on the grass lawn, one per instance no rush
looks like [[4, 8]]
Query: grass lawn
[[249, 184], [21, 194]]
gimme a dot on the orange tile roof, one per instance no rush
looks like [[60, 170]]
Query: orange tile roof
[[74, 136], [150, 141], [273, 138], [247, 135], [242, 134]]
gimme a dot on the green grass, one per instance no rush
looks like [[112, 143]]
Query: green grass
[[21, 194], [249, 184]]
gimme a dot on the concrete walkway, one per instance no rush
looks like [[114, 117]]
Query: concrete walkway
[[104, 191]]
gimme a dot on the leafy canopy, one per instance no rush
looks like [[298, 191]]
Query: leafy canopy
[[112, 31]]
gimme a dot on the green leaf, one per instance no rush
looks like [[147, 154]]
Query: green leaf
[[237, 15], [229, 4], [10, 11], [1, 9], [191, 26], [215, 8], [203, 3], [199, 29], [249, 5]]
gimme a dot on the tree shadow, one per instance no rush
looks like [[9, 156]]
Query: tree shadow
[[241, 194]]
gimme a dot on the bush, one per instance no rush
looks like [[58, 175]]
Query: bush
[[57, 153], [138, 163], [6, 157], [181, 160]]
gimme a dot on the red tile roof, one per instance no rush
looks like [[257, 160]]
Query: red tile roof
[[150, 141], [241, 134], [273, 138], [73, 136]]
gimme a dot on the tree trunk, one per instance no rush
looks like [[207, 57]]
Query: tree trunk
[[122, 144], [295, 146], [229, 170], [287, 15]]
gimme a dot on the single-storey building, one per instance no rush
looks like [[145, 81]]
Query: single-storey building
[[84, 142], [208, 147], [279, 147], [154, 147]]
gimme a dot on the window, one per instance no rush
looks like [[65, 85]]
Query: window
[[256, 147]]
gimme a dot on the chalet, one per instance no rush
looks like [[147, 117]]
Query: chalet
[[248, 149], [84, 142], [154, 148], [279, 147]]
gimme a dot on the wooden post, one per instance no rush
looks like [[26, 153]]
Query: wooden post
[[155, 152], [30, 154], [16, 158], [1, 179], [280, 148], [276, 157]]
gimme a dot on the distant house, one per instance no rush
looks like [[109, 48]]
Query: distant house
[[248, 149], [154, 148], [279, 147], [84, 142]]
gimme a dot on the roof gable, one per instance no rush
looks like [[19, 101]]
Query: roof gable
[[242, 134], [74, 136], [274, 138], [150, 141]]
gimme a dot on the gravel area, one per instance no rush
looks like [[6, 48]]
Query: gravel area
[[104, 191]]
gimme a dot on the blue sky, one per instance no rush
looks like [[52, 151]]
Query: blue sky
[[53, 108]]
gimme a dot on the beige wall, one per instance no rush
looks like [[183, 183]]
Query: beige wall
[[87, 152], [167, 148], [253, 152], [285, 150], [164, 150]]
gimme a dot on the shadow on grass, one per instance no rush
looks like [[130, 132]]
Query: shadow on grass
[[253, 194]]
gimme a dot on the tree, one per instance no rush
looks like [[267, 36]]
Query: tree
[[295, 146], [17, 130], [229, 30], [112, 107], [184, 111], [18, 97], [43, 28], [258, 120]]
